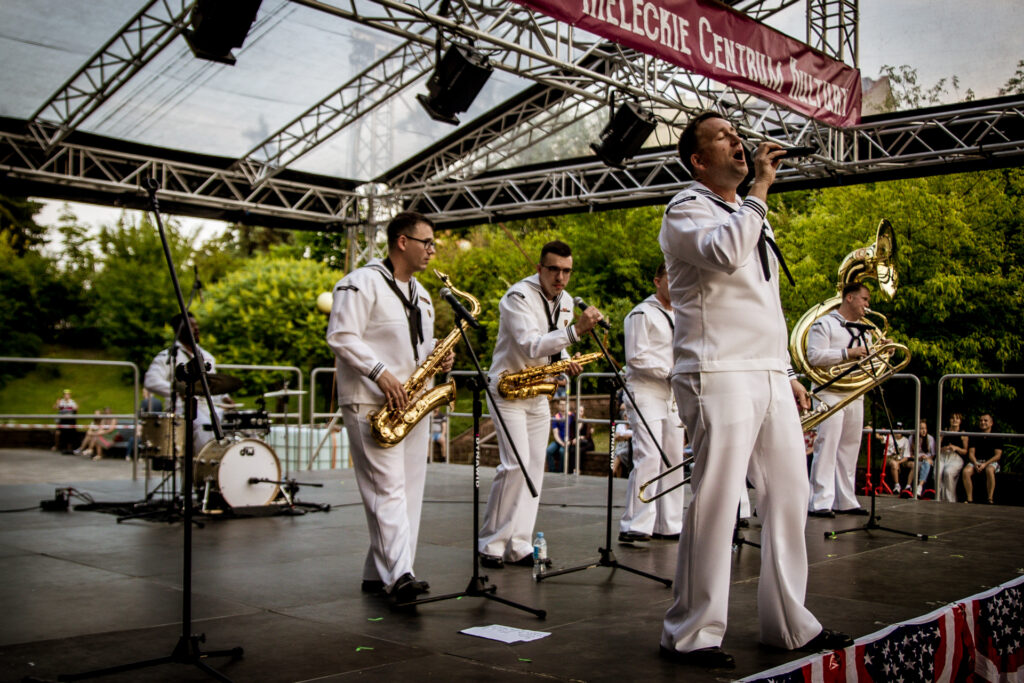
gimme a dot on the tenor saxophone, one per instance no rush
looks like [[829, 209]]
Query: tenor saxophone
[[530, 382], [389, 427]]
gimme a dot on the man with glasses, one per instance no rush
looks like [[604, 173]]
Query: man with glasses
[[381, 329], [534, 329]]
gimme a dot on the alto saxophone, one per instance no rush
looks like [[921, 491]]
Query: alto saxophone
[[530, 382], [389, 427]]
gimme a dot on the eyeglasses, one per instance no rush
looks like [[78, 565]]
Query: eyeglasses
[[555, 270], [427, 244]]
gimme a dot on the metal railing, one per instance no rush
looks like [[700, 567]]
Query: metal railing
[[105, 363]]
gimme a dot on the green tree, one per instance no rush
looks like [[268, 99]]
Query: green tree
[[265, 314], [17, 222]]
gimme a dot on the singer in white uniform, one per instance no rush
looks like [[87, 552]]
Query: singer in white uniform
[[161, 373], [535, 327], [648, 333], [381, 329], [734, 391], [830, 341]]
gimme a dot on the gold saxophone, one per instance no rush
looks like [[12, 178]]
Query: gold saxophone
[[878, 262], [390, 427], [530, 382]]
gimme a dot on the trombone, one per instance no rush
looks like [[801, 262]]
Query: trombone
[[878, 366]]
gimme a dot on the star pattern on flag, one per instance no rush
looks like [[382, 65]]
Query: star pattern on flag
[[907, 654], [999, 619]]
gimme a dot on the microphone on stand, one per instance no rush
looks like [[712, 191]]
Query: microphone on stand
[[582, 305], [460, 310]]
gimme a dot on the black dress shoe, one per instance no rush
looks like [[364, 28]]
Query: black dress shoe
[[827, 640], [821, 513], [708, 657], [372, 586], [665, 537], [633, 537], [491, 561], [528, 562], [860, 512], [406, 589]]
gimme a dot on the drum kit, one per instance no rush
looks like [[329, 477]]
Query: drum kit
[[239, 471]]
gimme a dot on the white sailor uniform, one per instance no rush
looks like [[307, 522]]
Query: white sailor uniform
[[531, 331], [834, 466], [158, 381], [371, 329], [648, 334], [732, 386]]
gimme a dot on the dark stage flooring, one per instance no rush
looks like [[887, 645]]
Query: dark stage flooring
[[80, 591]]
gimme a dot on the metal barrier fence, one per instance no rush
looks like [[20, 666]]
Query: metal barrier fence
[[104, 363]]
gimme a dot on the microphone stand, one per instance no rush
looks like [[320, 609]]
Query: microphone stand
[[607, 555], [187, 650], [478, 587]]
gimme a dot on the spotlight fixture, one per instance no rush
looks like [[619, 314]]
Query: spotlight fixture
[[218, 26], [625, 134], [455, 83]]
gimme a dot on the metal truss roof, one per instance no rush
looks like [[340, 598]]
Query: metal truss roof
[[470, 176]]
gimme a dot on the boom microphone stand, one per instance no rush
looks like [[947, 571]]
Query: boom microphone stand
[[872, 523], [187, 650], [478, 587]]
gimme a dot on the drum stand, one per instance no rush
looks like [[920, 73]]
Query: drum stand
[[187, 650], [289, 489], [478, 587]]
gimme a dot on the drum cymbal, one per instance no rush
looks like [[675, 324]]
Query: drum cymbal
[[284, 392], [219, 384]]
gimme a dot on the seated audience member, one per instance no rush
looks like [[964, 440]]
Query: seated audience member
[[809, 437], [560, 428], [150, 403], [438, 434], [96, 438], [982, 457], [897, 451], [952, 453], [623, 445], [586, 439], [924, 463]]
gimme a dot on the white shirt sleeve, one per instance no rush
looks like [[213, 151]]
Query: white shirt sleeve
[[350, 314], [820, 353]]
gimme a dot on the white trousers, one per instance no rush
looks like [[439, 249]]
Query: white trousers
[[741, 424], [665, 515], [391, 482], [834, 467], [947, 471], [507, 530]]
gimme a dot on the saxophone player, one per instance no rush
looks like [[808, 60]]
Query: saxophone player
[[381, 328], [535, 327]]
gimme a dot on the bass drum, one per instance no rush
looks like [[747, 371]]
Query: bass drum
[[229, 466]]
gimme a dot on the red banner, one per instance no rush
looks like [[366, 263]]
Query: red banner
[[710, 39]]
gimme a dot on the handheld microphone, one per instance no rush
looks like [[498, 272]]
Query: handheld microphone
[[799, 152], [582, 305], [460, 310]]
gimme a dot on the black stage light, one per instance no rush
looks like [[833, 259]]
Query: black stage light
[[455, 83], [218, 26], [625, 134]]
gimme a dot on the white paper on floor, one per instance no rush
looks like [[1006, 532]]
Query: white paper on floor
[[505, 634]]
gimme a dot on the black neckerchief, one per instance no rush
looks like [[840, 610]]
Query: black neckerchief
[[764, 242], [552, 321], [412, 311]]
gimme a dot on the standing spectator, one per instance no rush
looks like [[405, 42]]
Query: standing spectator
[[439, 433], [560, 426], [584, 443], [952, 452], [62, 437], [982, 456]]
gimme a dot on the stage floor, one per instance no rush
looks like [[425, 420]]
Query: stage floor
[[80, 591]]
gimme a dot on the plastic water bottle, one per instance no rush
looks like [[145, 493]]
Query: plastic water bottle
[[540, 554]]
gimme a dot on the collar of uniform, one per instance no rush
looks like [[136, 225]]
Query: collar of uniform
[[700, 188], [534, 281], [653, 300]]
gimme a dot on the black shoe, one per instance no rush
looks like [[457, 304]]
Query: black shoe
[[528, 562], [859, 512], [708, 657], [372, 586], [630, 537], [491, 561], [821, 513], [406, 589], [826, 641], [665, 537]]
